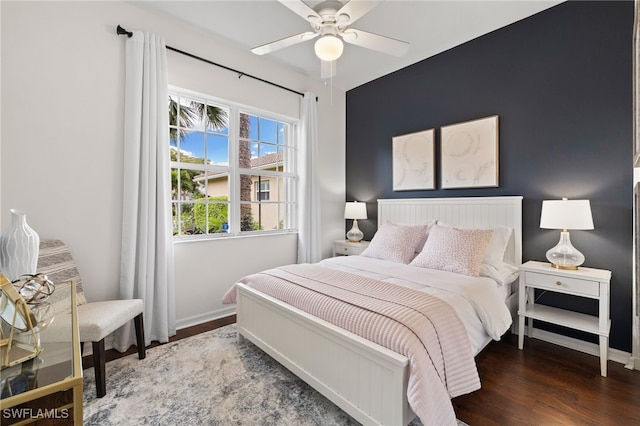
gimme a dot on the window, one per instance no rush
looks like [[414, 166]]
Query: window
[[262, 189], [233, 168]]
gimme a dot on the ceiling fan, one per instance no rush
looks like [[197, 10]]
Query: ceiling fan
[[330, 21]]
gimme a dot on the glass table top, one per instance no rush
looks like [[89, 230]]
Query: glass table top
[[55, 335]]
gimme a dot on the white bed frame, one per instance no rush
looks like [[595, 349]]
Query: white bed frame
[[366, 380]]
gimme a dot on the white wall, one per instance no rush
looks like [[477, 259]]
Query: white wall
[[62, 102]]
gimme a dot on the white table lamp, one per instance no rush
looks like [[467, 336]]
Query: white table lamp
[[565, 215], [355, 210]]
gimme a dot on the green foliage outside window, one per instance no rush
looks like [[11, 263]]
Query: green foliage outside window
[[218, 209]]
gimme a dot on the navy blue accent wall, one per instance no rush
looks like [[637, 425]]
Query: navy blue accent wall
[[561, 82]]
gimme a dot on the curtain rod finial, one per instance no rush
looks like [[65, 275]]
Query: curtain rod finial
[[122, 31]]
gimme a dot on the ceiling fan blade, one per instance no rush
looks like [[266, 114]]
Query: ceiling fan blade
[[377, 42], [285, 42], [302, 9], [328, 69], [354, 9]]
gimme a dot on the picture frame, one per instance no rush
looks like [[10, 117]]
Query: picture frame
[[469, 154], [414, 161]]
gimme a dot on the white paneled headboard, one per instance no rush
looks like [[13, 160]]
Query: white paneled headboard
[[480, 212]]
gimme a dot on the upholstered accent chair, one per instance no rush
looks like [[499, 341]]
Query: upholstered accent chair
[[96, 320]]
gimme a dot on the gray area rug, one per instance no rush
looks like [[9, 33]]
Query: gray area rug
[[206, 379]]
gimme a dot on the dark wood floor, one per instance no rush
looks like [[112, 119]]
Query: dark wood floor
[[544, 384]]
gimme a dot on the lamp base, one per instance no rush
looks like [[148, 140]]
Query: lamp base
[[568, 268], [564, 255], [355, 234]]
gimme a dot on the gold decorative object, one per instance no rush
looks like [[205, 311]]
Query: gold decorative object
[[19, 320], [34, 289]]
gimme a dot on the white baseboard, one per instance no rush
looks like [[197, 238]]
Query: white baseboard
[[633, 364], [616, 355], [180, 324], [202, 318]]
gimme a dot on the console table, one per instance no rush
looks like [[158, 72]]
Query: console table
[[47, 390]]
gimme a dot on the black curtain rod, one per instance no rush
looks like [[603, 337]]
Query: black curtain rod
[[122, 31]]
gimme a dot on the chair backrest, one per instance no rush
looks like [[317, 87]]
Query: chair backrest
[[56, 262]]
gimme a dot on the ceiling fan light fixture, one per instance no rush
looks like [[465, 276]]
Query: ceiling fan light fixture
[[328, 47]]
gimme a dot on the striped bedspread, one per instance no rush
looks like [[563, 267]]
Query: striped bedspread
[[417, 325]]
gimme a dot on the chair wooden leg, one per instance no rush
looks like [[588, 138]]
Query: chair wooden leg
[[99, 368], [137, 321]]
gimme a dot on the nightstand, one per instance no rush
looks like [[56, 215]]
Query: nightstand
[[348, 248], [584, 282]]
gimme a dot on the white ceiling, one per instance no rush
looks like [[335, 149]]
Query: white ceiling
[[430, 26]]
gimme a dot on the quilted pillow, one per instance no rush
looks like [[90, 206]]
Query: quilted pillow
[[497, 246], [396, 243], [454, 250]]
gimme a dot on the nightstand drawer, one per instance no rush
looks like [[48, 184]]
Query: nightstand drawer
[[349, 250], [563, 284]]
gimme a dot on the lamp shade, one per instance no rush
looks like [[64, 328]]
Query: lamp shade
[[566, 214], [328, 47], [355, 210]]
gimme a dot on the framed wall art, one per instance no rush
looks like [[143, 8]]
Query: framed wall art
[[469, 154], [414, 161]]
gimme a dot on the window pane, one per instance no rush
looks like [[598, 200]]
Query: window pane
[[268, 131], [192, 148], [188, 117], [186, 226], [197, 117], [267, 148], [269, 159], [215, 185], [246, 218], [212, 217], [281, 156], [173, 110], [218, 150], [266, 216], [217, 119], [255, 149], [247, 183], [251, 127], [244, 154], [186, 184], [283, 133]]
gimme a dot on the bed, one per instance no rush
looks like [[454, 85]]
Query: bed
[[367, 380]]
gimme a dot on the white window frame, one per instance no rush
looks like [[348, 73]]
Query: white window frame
[[233, 169]]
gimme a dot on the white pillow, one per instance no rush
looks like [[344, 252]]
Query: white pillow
[[497, 245], [501, 272], [396, 243], [454, 250]]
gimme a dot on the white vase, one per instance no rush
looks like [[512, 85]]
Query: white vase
[[19, 247]]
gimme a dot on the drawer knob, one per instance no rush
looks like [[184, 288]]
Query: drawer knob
[[558, 283]]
